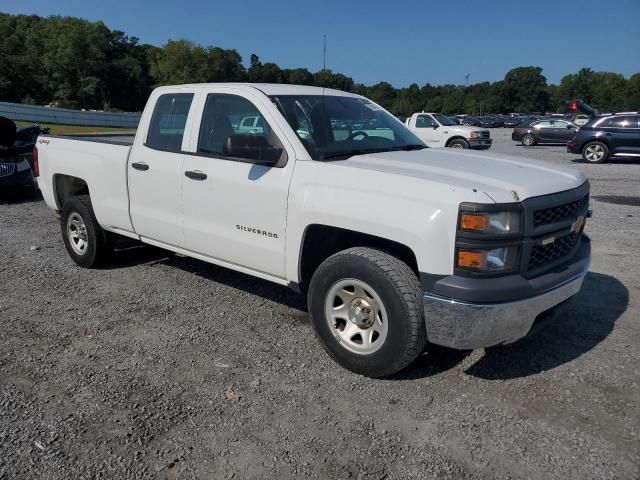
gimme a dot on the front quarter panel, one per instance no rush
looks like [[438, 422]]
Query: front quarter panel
[[419, 214]]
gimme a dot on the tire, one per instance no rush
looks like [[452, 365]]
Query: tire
[[87, 243], [396, 333], [458, 143], [528, 140], [595, 152]]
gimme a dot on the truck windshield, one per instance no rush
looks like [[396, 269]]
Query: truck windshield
[[444, 120], [336, 127]]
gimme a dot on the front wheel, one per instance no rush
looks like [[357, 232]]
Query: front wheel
[[595, 152], [528, 140], [366, 309], [87, 243], [458, 143]]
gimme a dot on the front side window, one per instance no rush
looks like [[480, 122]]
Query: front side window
[[425, 121], [166, 129], [232, 127], [338, 127]]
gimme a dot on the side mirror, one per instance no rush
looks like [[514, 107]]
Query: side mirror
[[434, 125], [571, 127], [252, 147]]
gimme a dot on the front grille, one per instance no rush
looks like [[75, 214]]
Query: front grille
[[560, 212], [542, 255], [7, 169], [484, 134]]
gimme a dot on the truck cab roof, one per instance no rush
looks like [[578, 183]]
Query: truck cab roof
[[268, 89]]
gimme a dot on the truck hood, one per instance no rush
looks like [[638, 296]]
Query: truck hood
[[465, 129], [503, 178]]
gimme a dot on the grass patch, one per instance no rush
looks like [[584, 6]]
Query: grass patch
[[72, 129]]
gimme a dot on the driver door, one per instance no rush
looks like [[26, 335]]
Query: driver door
[[427, 129], [235, 207]]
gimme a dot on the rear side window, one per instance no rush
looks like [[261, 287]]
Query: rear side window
[[169, 119], [622, 121]]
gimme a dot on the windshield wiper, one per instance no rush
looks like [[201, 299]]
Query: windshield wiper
[[351, 153], [364, 151], [406, 148]]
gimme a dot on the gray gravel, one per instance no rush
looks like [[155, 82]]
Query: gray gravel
[[166, 367]]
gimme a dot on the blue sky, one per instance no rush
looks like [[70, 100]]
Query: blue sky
[[398, 41]]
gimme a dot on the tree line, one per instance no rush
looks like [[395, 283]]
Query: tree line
[[76, 63]]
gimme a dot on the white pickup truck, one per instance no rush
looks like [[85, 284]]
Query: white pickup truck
[[397, 245], [437, 130]]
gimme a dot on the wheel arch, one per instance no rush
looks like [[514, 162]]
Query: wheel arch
[[66, 186], [455, 137], [320, 241]]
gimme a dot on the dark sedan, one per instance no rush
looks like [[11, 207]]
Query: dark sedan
[[544, 131], [606, 136], [16, 176]]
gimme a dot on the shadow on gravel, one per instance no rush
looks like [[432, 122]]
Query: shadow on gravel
[[612, 161], [587, 322], [18, 198], [239, 281], [434, 361]]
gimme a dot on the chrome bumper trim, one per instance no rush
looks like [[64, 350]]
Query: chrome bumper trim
[[466, 326]]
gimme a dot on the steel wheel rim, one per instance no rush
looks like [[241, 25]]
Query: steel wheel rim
[[77, 233], [456, 145], [594, 153], [356, 316], [528, 140]]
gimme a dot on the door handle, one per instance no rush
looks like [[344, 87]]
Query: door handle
[[195, 175], [140, 166]]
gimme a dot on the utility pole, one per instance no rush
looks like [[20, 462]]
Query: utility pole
[[466, 80], [324, 52]]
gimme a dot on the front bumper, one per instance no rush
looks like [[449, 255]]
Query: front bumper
[[480, 143], [573, 147], [469, 324]]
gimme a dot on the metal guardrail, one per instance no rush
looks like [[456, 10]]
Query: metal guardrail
[[66, 116]]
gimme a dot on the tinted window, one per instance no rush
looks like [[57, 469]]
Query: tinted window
[[169, 118], [544, 124], [622, 121], [229, 119]]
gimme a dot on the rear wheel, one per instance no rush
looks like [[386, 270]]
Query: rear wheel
[[458, 143], [86, 242], [595, 152], [528, 140], [366, 309]]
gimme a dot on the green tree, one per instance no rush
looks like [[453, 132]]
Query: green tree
[[525, 90]]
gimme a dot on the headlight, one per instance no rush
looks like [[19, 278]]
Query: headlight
[[493, 223], [476, 134], [23, 165], [487, 260]]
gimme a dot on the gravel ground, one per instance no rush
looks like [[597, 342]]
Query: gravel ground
[[167, 367]]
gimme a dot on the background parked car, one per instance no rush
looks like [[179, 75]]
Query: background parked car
[[511, 122], [606, 136], [471, 121], [581, 120], [489, 122], [544, 131], [16, 176]]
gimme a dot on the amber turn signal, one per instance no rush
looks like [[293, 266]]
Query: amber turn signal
[[471, 259], [473, 221]]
